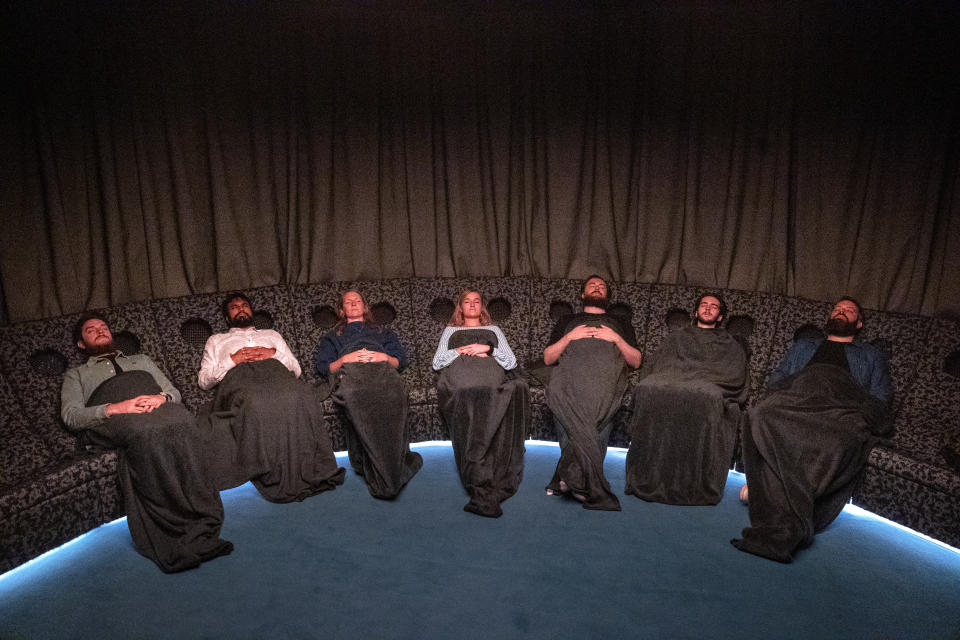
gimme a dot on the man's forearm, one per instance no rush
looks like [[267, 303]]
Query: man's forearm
[[552, 353], [78, 418], [630, 354]]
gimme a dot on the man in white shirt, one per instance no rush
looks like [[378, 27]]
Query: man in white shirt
[[269, 423], [242, 343]]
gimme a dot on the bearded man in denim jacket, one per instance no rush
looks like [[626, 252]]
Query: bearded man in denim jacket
[[806, 443]]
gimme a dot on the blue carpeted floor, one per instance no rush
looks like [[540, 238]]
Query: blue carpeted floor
[[342, 565]]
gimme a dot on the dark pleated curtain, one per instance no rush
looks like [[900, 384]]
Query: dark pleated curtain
[[154, 149]]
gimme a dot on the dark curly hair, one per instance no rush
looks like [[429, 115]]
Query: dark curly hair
[[84, 319], [236, 295]]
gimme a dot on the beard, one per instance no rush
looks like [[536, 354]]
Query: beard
[[841, 327], [240, 323], [99, 349], [711, 323], [596, 301]]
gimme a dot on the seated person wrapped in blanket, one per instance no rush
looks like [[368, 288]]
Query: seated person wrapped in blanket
[[589, 355], [685, 412], [125, 402], [268, 423], [363, 363], [485, 407], [807, 441]]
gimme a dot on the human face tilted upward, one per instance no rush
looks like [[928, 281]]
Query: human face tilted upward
[[595, 293], [239, 313], [595, 288], [844, 320], [708, 312], [353, 306], [95, 337], [847, 309], [471, 306]]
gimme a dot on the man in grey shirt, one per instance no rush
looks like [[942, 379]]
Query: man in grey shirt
[[126, 403]]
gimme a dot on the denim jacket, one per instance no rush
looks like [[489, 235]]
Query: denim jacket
[[868, 365]]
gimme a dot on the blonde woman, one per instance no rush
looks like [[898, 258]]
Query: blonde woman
[[485, 407]]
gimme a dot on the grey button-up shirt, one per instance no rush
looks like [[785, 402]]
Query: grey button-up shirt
[[80, 382]]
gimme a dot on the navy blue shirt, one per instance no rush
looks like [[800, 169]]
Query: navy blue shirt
[[356, 336]]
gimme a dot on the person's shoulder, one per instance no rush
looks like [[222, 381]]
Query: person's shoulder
[[329, 333], [493, 329], [75, 370], [723, 334], [213, 338], [140, 357], [867, 347], [799, 347], [800, 343], [623, 323]]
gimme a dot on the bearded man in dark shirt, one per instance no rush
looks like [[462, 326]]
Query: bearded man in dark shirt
[[591, 353]]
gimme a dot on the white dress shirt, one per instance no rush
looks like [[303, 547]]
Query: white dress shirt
[[216, 353]]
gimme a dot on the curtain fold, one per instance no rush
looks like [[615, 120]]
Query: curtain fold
[[154, 149]]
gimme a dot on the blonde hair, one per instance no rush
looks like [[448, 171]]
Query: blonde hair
[[456, 320]]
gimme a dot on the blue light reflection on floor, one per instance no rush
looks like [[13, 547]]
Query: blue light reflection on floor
[[852, 510], [38, 562]]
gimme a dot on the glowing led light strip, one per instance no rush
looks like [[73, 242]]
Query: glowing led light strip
[[852, 509], [66, 544], [860, 512]]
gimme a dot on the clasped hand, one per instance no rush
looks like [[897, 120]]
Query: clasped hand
[[252, 354], [138, 404], [365, 355], [602, 332], [478, 350]]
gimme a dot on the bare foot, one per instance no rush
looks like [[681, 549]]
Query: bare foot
[[559, 492]]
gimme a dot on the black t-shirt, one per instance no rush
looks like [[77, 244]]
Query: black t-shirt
[[566, 324], [831, 352]]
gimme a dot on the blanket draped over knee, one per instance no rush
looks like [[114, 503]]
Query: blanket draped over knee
[[173, 507], [375, 401], [585, 390], [486, 410], [685, 414], [804, 447], [269, 429]]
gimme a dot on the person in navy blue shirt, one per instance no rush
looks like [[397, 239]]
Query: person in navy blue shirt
[[357, 338], [363, 362]]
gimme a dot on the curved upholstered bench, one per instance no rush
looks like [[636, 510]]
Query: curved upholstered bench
[[52, 491]]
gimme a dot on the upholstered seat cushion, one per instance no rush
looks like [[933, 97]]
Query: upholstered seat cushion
[[56, 505]]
